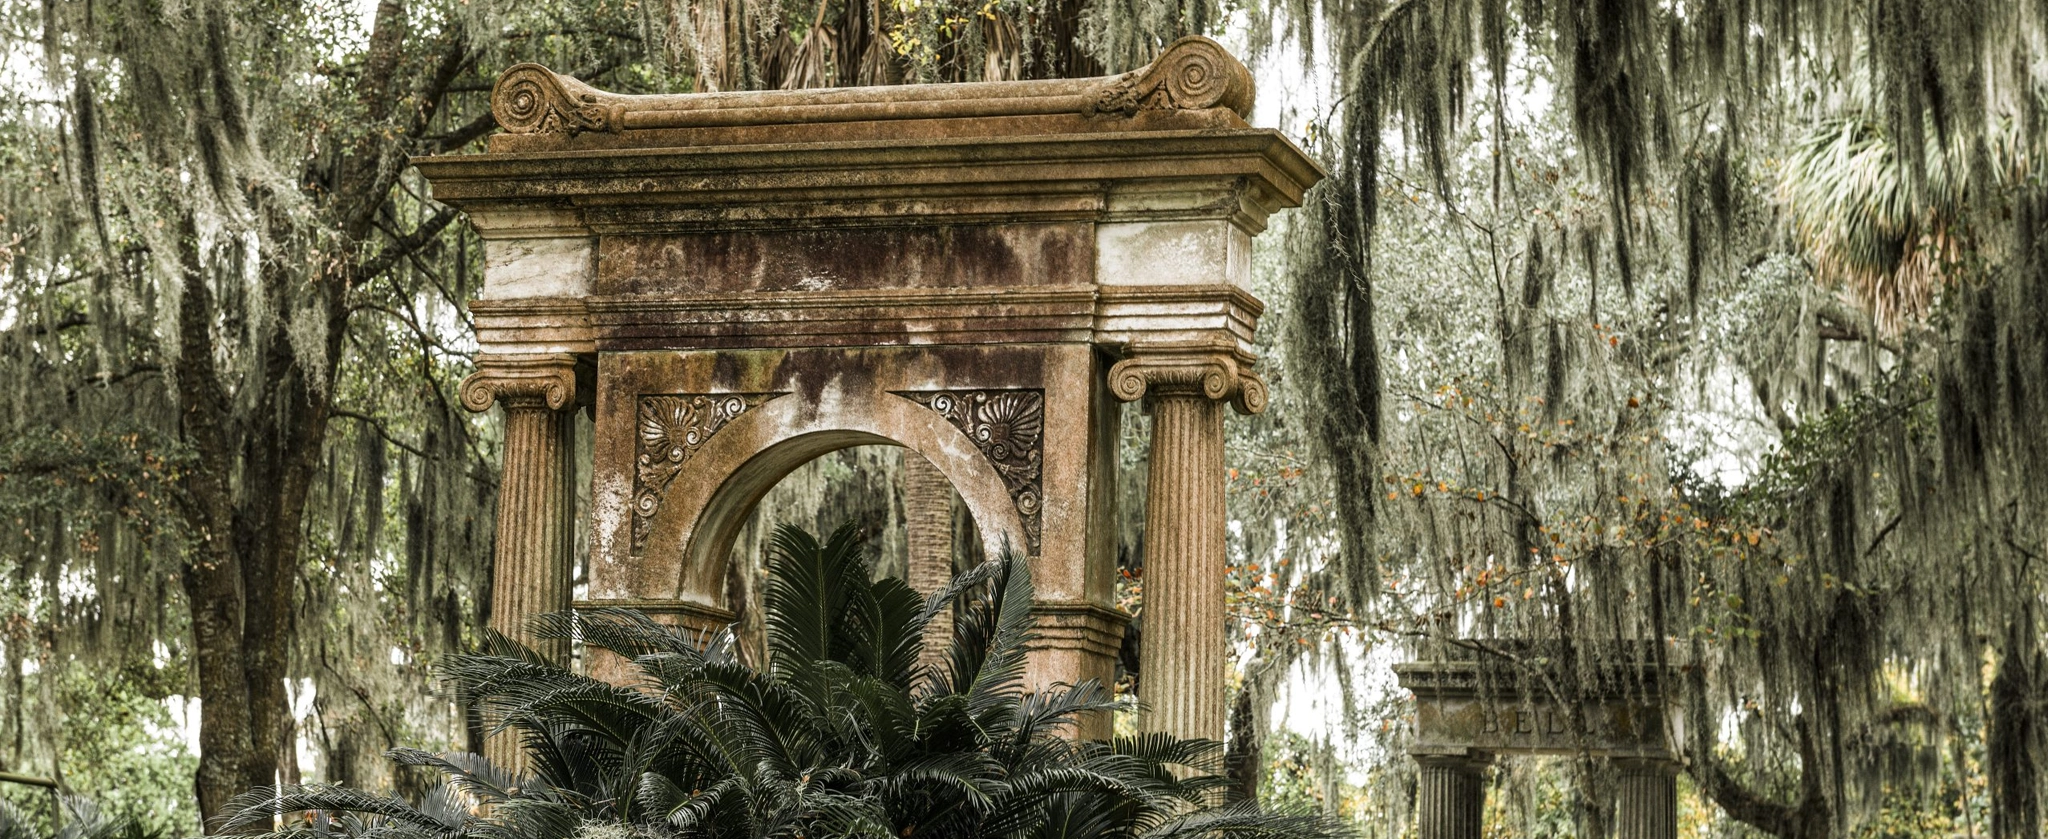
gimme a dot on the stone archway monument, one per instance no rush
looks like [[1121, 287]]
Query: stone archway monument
[[739, 282], [1467, 712]]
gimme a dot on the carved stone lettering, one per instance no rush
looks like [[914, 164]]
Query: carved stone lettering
[[1008, 426], [671, 428]]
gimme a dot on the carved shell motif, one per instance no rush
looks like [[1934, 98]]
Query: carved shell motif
[[1008, 426], [671, 427]]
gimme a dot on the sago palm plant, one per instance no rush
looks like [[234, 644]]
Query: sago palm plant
[[843, 733], [77, 818]]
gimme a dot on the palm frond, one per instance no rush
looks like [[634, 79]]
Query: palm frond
[[840, 735], [469, 773], [988, 654], [628, 632], [1245, 820], [263, 804]]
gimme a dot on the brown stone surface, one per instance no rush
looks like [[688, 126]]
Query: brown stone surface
[[1194, 80], [535, 547], [832, 259], [1184, 647], [1461, 705], [928, 514]]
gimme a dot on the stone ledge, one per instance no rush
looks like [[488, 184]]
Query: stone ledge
[[1193, 77], [954, 180], [1087, 627]]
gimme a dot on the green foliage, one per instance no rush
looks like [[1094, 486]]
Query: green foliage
[[79, 819], [130, 471], [843, 733]]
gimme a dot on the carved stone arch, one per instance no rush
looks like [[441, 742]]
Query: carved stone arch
[[732, 470], [979, 272]]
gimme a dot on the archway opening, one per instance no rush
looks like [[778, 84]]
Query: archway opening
[[915, 524]]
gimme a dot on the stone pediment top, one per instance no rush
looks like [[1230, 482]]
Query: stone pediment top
[[1164, 142], [1500, 681], [1192, 74]]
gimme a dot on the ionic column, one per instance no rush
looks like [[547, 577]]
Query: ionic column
[[535, 551], [1183, 649], [1450, 795], [1646, 805]]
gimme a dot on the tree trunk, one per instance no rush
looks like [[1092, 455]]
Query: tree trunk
[[212, 577], [240, 574], [2013, 745]]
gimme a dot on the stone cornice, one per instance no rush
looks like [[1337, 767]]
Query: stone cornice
[[1208, 371], [1191, 74], [547, 380], [1241, 174], [1465, 679]]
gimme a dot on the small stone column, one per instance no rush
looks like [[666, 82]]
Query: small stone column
[[1646, 793], [535, 550], [1450, 795], [1184, 647]]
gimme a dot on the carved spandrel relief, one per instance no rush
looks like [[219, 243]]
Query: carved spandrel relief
[[1008, 426], [671, 428]]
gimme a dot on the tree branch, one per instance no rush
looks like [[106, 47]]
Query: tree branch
[[378, 426], [403, 246]]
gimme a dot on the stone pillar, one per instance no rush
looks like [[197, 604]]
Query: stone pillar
[[1646, 805], [535, 550], [1450, 795], [1183, 651], [928, 515]]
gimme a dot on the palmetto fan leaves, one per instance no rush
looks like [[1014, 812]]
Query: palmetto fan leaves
[[841, 734], [1888, 233]]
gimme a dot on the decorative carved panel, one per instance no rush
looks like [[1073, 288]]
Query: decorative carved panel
[[1008, 426], [671, 428]]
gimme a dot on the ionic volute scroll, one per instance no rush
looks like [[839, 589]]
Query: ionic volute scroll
[[1193, 73], [550, 381], [1208, 373], [531, 99]]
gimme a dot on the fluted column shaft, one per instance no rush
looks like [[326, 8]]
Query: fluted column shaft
[[1450, 796], [1646, 805], [1182, 681], [535, 551], [1183, 651], [534, 554]]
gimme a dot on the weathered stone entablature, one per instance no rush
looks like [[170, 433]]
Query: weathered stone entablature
[[1468, 711], [1621, 712], [981, 273]]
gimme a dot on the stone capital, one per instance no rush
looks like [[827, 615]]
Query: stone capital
[[547, 381], [1207, 372], [1461, 760], [1651, 765]]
